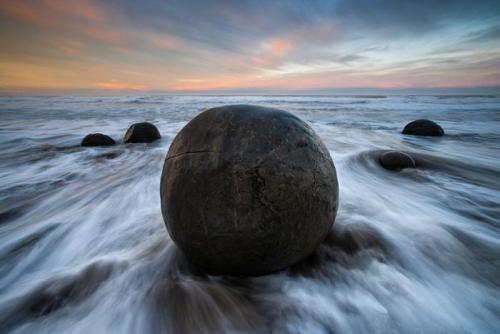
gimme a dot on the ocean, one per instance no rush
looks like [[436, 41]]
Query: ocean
[[84, 249]]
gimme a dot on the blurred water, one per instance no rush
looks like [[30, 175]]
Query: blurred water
[[83, 247]]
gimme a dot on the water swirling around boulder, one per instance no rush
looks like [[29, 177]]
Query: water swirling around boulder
[[426, 162], [248, 190]]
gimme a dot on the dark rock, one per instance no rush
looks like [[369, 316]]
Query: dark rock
[[141, 133], [395, 160], [248, 190], [97, 139], [423, 127]]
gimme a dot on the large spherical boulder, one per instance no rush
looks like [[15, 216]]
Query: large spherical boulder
[[247, 190], [97, 139], [141, 133], [423, 127], [394, 160]]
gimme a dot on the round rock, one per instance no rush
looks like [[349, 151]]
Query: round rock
[[144, 132], [423, 127], [247, 190], [395, 160], [97, 139]]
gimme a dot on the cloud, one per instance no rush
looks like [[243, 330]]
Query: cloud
[[408, 17], [113, 85], [488, 35], [164, 41], [187, 44], [69, 47], [350, 58], [60, 17], [273, 51], [52, 13], [110, 37]]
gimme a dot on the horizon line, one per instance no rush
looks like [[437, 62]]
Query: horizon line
[[476, 90]]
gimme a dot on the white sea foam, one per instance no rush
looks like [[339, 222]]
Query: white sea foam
[[83, 247]]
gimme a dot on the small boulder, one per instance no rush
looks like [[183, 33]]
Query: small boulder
[[395, 160], [97, 139], [141, 133], [423, 127]]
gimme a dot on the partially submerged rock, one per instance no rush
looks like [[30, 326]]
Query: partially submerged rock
[[248, 190], [423, 127], [144, 132], [394, 160], [97, 139]]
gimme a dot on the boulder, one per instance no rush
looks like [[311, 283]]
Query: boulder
[[97, 139], [247, 190], [144, 132], [395, 160], [423, 127]]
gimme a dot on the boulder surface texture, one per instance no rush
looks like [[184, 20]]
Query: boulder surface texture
[[247, 190], [423, 127], [141, 133], [394, 160], [97, 139]]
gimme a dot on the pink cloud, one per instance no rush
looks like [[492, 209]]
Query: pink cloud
[[52, 13], [115, 85], [70, 47], [164, 41], [273, 51], [102, 34]]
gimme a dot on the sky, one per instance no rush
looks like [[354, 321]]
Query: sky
[[248, 46]]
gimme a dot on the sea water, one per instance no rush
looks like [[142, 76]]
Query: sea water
[[84, 249]]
